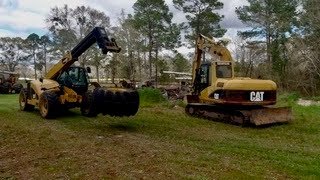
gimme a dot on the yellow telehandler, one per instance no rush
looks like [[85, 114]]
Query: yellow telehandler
[[217, 94], [67, 86]]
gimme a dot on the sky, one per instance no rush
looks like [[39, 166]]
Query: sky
[[23, 17]]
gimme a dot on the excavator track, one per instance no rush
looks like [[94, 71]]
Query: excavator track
[[257, 116]]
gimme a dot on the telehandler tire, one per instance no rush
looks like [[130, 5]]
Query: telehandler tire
[[133, 103], [88, 107], [24, 106], [121, 103], [108, 105], [98, 99], [48, 104]]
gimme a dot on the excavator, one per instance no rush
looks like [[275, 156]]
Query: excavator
[[217, 94], [67, 86]]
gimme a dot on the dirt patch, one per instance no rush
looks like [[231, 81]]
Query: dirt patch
[[303, 102]]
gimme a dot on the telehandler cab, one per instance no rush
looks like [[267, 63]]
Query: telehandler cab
[[217, 94], [67, 86]]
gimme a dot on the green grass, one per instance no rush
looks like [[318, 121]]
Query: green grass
[[150, 96], [160, 142]]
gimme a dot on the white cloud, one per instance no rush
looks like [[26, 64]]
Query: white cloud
[[230, 19], [43, 7], [22, 20], [22, 17]]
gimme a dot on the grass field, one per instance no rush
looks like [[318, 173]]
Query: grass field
[[160, 142]]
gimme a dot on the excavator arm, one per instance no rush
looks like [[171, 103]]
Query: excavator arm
[[97, 35], [205, 44], [214, 49]]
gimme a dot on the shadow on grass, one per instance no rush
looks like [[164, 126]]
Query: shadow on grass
[[123, 126], [101, 123]]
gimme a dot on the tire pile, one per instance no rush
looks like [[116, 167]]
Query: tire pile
[[5, 88], [113, 102]]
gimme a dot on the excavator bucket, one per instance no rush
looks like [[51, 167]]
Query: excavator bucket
[[267, 115]]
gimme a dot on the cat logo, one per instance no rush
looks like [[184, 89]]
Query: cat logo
[[256, 96]]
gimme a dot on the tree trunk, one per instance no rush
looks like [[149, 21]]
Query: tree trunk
[[150, 60], [131, 76], [268, 35], [97, 73], [150, 51], [139, 64], [156, 64], [35, 66], [113, 67], [45, 61]]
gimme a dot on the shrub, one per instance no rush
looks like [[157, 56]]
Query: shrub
[[288, 98], [150, 96]]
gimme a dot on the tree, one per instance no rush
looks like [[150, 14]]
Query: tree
[[305, 50], [12, 53], [180, 63], [33, 41], [68, 26], [45, 45], [202, 17], [273, 20], [130, 40], [153, 19], [163, 66]]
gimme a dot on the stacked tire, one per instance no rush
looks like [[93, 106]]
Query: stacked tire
[[16, 88], [113, 102], [5, 88]]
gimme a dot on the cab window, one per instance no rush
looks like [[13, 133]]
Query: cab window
[[204, 74], [224, 71]]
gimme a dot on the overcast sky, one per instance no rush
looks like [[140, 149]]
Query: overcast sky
[[22, 17]]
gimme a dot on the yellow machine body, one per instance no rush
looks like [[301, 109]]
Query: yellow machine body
[[218, 94], [66, 86]]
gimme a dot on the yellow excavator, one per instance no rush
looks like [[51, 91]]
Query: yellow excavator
[[67, 86], [217, 94]]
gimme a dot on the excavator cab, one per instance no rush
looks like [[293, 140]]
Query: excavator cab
[[203, 79], [209, 73]]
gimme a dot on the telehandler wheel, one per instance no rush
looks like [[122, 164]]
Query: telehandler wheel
[[48, 104], [24, 106], [88, 108]]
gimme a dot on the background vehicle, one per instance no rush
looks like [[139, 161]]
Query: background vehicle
[[218, 94], [8, 82], [67, 86]]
